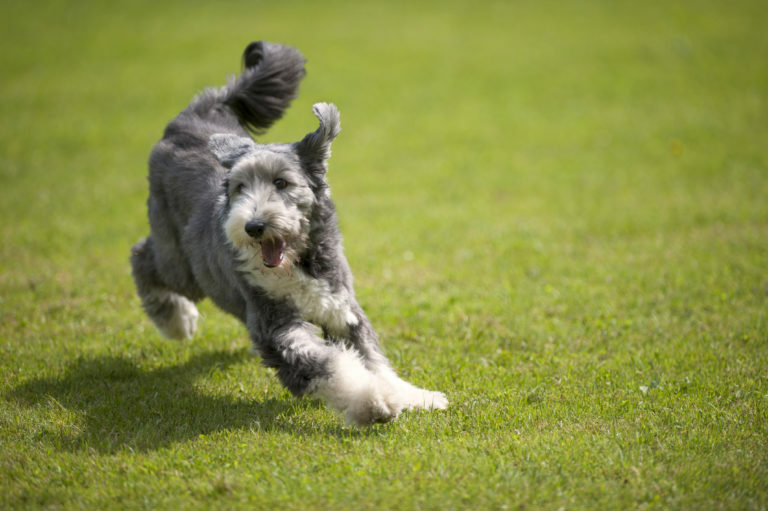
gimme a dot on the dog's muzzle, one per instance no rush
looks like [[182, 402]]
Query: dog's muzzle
[[272, 249]]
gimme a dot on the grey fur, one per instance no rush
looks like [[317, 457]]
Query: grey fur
[[228, 148], [208, 179]]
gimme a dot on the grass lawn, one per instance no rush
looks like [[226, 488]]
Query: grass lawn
[[556, 212]]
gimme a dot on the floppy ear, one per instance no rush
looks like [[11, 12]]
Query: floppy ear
[[316, 146], [228, 148]]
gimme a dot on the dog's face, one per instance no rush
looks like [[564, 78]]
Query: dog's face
[[271, 190], [270, 202]]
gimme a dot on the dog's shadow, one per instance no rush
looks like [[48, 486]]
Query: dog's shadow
[[120, 405]]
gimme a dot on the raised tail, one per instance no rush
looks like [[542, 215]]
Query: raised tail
[[269, 82]]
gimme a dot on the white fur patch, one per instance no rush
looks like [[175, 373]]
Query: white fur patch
[[410, 396], [312, 297], [365, 397], [183, 322], [354, 391]]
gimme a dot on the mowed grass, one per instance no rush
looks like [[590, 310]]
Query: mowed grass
[[557, 213]]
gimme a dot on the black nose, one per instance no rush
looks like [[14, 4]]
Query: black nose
[[255, 229]]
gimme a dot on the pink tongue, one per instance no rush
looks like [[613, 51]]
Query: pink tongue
[[272, 252]]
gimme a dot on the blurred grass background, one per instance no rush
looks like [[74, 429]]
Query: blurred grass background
[[556, 213]]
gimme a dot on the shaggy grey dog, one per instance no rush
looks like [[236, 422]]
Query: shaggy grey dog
[[253, 228]]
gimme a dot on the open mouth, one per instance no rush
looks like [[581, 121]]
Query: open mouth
[[272, 252]]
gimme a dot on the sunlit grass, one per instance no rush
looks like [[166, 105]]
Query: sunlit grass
[[556, 213]]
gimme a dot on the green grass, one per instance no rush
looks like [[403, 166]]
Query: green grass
[[557, 213]]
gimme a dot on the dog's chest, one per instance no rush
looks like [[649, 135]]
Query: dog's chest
[[313, 298]]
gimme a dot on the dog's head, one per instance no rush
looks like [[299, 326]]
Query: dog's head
[[271, 190]]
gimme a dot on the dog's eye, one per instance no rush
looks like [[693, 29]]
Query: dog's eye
[[239, 188], [280, 183]]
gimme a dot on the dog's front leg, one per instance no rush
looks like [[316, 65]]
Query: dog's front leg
[[404, 396], [307, 365]]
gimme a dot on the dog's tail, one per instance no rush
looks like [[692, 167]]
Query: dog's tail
[[269, 82], [263, 91]]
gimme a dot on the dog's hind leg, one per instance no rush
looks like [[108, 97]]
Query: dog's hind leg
[[174, 315]]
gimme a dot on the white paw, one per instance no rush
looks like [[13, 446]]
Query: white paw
[[354, 391], [183, 323], [366, 397], [411, 397], [427, 400]]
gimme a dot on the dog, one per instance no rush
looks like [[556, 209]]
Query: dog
[[253, 228]]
